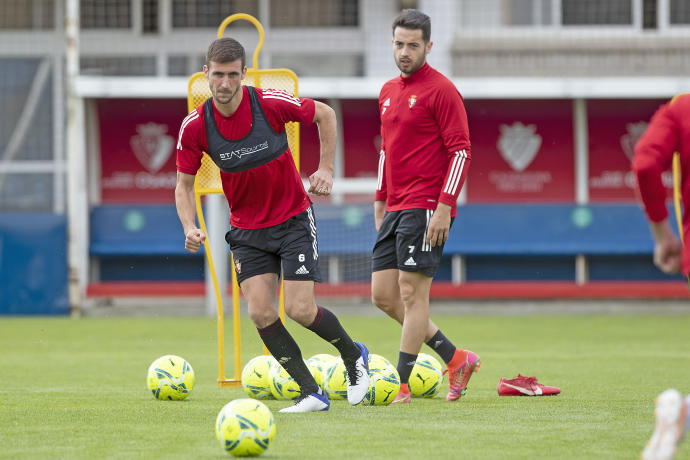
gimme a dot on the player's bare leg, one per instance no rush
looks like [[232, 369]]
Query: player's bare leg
[[260, 294], [299, 301], [414, 293], [385, 294]]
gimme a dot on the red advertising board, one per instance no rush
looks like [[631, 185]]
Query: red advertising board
[[361, 139], [614, 128], [137, 140], [522, 150]]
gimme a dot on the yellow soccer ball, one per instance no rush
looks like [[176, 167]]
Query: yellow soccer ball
[[384, 382], [170, 377], [317, 364], [256, 375], [282, 386], [426, 378], [378, 362], [335, 379], [245, 427]]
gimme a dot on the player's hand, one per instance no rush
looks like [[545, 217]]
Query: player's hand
[[194, 238], [667, 255], [321, 183], [439, 226], [667, 248]]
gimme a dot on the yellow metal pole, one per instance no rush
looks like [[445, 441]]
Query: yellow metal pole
[[219, 303], [236, 320], [257, 24]]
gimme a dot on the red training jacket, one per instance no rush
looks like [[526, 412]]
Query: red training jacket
[[425, 143], [668, 132]]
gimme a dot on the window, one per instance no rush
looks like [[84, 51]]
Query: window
[[105, 14], [27, 14], [680, 12], [528, 12], [210, 13], [596, 12], [118, 66], [149, 20], [315, 13]]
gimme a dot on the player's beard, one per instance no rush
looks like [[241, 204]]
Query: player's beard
[[226, 97], [411, 66]]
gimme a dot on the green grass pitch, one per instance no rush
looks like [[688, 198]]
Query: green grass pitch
[[76, 389]]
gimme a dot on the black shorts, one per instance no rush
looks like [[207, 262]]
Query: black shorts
[[291, 244], [400, 243]]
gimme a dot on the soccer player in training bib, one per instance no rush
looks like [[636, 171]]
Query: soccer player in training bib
[[272, 225], [425, 154]]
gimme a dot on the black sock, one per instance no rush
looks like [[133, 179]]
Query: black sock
[[327, 326], [406, 362], [441, 345], [286, 351]]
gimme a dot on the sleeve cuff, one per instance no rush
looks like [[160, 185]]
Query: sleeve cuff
[[658, 215], [448, 199]]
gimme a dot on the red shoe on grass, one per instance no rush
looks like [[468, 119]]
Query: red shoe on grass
[[525, 386]]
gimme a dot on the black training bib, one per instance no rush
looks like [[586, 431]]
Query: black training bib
[[262, 145]]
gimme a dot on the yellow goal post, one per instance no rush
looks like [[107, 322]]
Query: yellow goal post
[[208, 182]]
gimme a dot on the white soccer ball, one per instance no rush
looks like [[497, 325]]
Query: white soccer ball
[[245, 427], [170, 377], [426, 378], [256, 377]]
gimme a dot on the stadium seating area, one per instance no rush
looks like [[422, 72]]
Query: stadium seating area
[[518, 249]]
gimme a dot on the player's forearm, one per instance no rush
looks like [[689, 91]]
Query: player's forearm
[[186, 207], [379, 209], [661, 231], [379, 212]]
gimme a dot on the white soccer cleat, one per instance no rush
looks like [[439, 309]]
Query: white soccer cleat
[[313, 402], [670, 413], [358, 377]]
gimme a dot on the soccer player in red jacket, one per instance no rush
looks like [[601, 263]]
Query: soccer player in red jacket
[[425, 154], [272, 227], [668, 132]]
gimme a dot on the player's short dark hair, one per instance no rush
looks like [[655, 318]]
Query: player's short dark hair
[[224, 50], [414, 19]]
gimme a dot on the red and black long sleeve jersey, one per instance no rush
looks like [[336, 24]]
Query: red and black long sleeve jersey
[[425, 143]]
